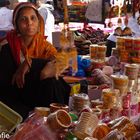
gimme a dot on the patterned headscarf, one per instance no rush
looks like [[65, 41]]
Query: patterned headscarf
[[39, 47], [25, 5]]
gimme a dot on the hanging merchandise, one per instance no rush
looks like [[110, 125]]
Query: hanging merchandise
[[67, 53], [120, 4]]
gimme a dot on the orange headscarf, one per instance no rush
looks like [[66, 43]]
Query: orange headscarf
[[39, 47]]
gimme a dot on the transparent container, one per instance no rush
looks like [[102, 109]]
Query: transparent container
[[109, 97], [9, 119], [131, 70], [120, 82]]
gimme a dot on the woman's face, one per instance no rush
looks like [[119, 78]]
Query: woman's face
[[28, 22]]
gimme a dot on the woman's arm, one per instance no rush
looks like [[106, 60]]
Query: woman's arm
[[19, 76]]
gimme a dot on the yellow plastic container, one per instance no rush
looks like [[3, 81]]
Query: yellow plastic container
[[9, 119]]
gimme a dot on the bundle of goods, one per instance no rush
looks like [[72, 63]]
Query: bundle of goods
[[67, 53], [132, 71], [86, 36], [99, 78], [124, 125], [83, 65], [79, 102], [120, 82], [129, 49], [98, 52]]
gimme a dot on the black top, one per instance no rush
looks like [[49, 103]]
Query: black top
[[35, 92]]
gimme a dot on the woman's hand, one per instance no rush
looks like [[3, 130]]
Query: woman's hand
[[19, 76], [48, 71]]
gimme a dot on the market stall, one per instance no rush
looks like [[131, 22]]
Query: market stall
[[104, 102]]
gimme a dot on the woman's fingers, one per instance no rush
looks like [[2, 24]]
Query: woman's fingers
[[19, 80]]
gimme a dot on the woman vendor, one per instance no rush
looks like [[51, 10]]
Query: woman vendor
[[27, 76]]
